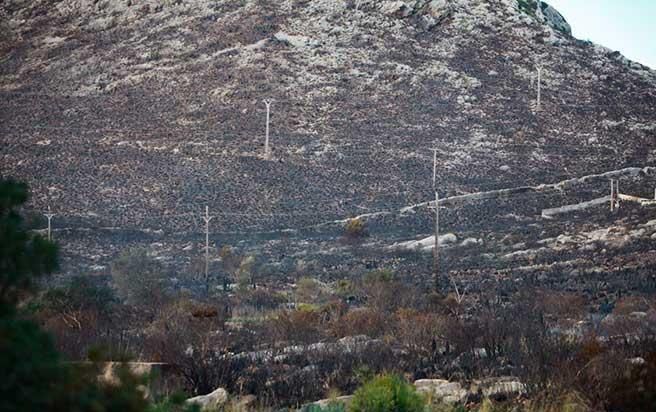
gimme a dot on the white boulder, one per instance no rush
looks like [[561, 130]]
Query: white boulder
[[211, 401], [442, 390]]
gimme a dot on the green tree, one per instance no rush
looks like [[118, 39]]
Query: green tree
[[230, 263], [33, 376], [23, 256], [139, 279]]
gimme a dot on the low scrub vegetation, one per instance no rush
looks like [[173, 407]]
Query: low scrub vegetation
[[387, 393], [369, 335]]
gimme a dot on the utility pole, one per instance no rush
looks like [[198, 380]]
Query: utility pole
[[434, 167], [436, 249], [267, 152], [49, 216], [539, 66], [612, 191], [207, 219], [614, 195]]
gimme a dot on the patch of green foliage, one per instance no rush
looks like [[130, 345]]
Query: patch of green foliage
[[175, 403], [387, 393], [331, 407]]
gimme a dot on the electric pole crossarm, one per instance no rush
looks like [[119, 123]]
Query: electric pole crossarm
[[49, 216]]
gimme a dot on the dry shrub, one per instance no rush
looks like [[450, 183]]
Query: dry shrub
[[308, 290], [418, 332], [635, 388], [355, 229], [562, 304], [385, 293], [261, 299], [296, 326], [629, 304], [361, 321], [191, 335], [570, 401]]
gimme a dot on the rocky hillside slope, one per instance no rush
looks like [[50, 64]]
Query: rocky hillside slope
[[134, 115]]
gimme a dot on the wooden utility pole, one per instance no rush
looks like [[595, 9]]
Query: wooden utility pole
[[267, 151], [49, 216], [614, 195], [612, 191], [434, 167], [539, 86], [207, 219], [436, 248]]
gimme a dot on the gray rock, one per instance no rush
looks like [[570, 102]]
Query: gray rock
[[442, 390], [399, 8], [211, 401], [497, 388], [556, 20], [448, 238], [445, 391], [344, 400], [470, 241]]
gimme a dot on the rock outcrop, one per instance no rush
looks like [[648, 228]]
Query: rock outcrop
[[444, 391], [212, 401]]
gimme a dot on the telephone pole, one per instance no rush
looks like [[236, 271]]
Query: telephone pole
[[267, 151], [49, 216], [436, 248], [207, 219], [434, 167], [614, 195], [539, 66]]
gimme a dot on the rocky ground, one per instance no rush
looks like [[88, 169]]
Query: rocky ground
[[128, 118]]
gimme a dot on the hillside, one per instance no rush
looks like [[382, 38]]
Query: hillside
[[129, 117]]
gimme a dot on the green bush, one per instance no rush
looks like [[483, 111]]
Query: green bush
[[331, 407], [174, 403], [387, 393]]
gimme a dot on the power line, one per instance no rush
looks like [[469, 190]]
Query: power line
[[224, 136]]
